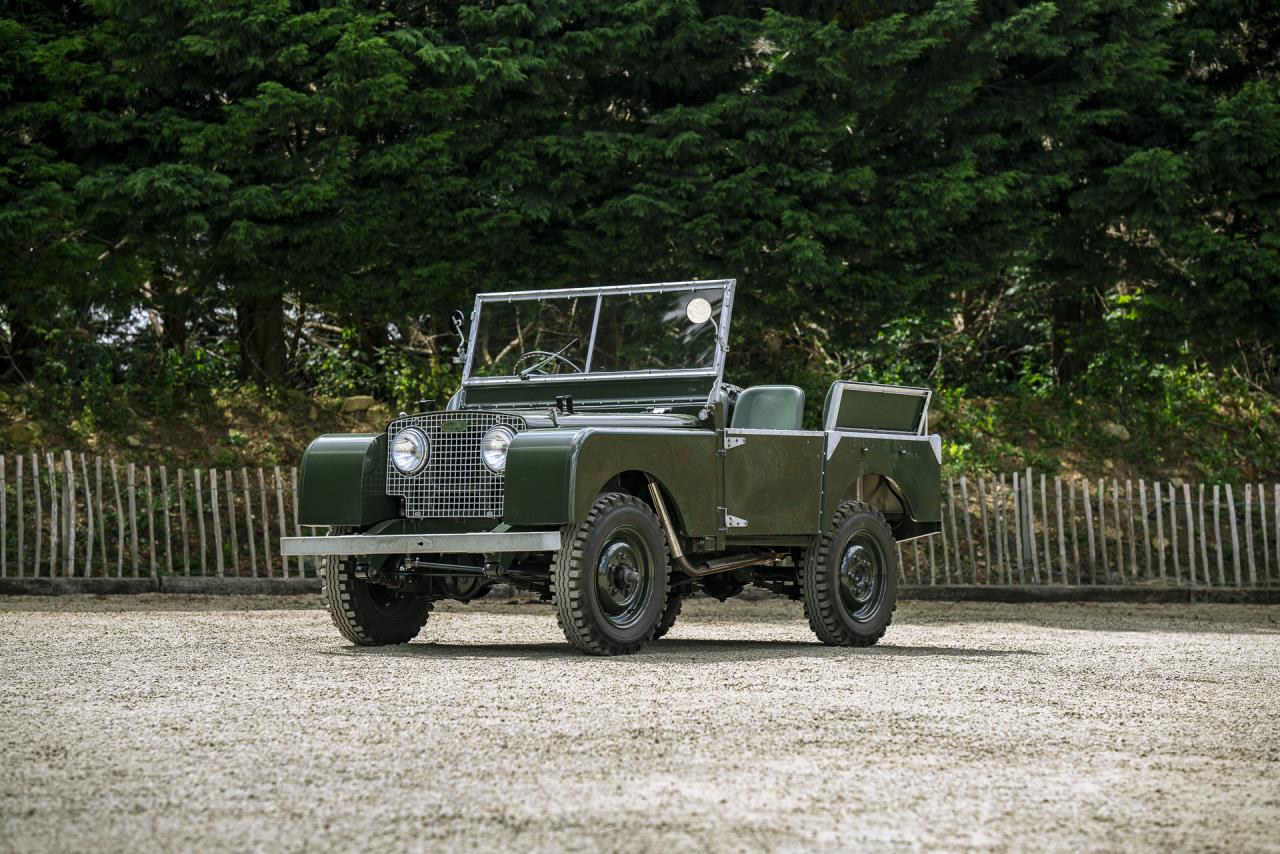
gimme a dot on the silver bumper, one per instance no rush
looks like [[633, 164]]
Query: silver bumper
[[484, 542]]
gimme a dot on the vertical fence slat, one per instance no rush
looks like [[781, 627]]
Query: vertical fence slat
[[248, 522], [1044, 529], [928, 545], [1248, 533], [1191, 536], [1173, 534], [182, 518], [1191, 531], [1262, 524], [164, 507], [266, 521], [1275, 508], [1115, 515], [1159, 529], [70, 535], [69, 513], [1204, 542], [4, 520], [151, 523], [968, 532], [39, 505], [88, 516], [1217, 532], [21, 520], [948, 536], [199, 492], [1075, 528], [102, 515], [218, 558], [1029, 489], [115, 488], [1017, 526], [1062, 535], [1102, 530], [133, 518], [1235, 536], [1146, 528], [231, 519], [284, 561], [1006, 561], [55, 521], [302, 561], [1133, 537], [1087, 489]]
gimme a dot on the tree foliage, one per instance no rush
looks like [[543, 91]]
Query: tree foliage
[[973, 191]]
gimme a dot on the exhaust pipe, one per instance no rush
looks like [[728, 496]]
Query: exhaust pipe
[[720, 564]]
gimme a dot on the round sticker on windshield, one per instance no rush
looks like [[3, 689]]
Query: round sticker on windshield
[[698, 310]]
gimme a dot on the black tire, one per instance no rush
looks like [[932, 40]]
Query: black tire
[[850, 578], [605, 605], [669, 613], [370, 614]]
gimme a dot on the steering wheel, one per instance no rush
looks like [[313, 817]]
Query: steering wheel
[[547, 356]]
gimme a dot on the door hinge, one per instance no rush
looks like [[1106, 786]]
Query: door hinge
[[734, 441], [731, 521]]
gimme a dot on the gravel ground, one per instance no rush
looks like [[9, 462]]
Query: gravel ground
[[176, 723]]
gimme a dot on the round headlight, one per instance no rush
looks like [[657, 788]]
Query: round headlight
[[494, 449], [410, 450]]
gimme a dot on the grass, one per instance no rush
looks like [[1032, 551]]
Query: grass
[[1203, 429]]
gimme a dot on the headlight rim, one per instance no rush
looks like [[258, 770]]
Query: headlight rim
[[506, 430], [426, 450]]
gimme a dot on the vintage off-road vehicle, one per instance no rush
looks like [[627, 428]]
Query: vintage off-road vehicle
[[594, 455]]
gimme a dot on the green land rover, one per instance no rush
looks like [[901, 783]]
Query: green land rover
[[595, 456]]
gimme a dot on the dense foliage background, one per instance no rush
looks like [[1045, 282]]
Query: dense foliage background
[[1064, 204]]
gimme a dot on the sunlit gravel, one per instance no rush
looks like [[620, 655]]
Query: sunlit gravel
[[171, 723]]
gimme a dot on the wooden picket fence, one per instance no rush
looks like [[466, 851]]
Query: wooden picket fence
[[71, 515], [1028, 529], [76, 516]]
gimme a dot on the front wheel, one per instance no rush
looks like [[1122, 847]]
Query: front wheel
[[850, 579], [370, 614], [610, 578]]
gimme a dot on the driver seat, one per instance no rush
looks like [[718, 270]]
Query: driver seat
[[768, 407]]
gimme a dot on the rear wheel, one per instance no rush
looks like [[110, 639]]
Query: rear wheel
[[370, 614], [850, 579], [610, 578]]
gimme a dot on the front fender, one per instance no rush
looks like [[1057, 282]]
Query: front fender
[[343, 481], [554, 476]]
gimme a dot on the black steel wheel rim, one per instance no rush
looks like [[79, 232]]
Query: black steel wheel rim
[[624, 578], [861, 576]]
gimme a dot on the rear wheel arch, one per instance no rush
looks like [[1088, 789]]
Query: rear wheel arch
[[882, 493]]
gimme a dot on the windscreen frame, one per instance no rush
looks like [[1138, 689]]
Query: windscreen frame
[[714, 372]]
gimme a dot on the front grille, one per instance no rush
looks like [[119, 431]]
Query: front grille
[[456, 483]]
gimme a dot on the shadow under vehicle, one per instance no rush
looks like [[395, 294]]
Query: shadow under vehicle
[[595, 455]]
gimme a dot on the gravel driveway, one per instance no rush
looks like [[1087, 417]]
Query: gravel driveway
[[181, 723]]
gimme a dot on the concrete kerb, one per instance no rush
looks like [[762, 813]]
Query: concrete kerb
[[206, 586], [162, 584]]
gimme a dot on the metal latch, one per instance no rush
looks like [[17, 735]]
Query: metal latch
[[731, 521], [734, 441]]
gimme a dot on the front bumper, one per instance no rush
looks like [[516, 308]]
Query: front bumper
[[483, 542]]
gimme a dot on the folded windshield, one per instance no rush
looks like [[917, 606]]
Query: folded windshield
[[609, 330]]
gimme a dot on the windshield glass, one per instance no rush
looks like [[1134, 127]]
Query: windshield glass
[[553, 335]]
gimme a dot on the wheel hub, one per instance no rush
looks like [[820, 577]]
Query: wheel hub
[[861, 575], [622, 581]]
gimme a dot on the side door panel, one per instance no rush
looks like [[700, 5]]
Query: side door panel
[[773, 481]]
